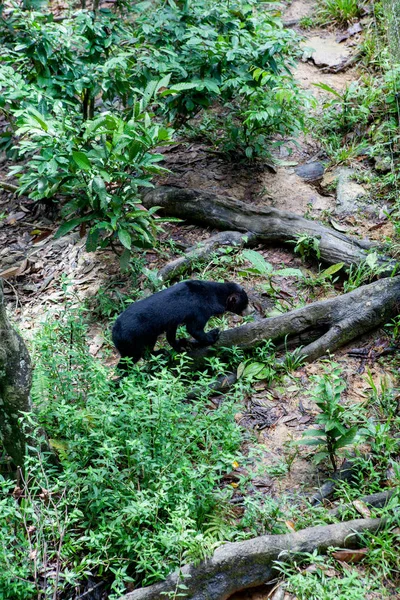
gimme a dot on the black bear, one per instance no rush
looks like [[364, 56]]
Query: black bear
[[189, 303]]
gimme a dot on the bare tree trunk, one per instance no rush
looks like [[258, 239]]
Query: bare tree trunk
[[15, 384]]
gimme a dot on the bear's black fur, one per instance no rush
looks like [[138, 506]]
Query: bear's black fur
[[190, 303]]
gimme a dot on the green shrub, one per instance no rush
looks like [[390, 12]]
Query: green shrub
[[136, 492], [339, 11], [333, 432], [98, 171]]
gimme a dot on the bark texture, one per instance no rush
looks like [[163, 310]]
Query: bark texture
[[213, 245], [264, 223], [15, 385], [240, 565]]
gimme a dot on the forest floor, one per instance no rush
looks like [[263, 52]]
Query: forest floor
[[34, 265]]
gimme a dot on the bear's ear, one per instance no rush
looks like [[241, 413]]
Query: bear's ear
[[233, 302]]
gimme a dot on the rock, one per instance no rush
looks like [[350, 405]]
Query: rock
[[325, 52], [348, 192], [328, 181], [312, 171], [383, 164], [288, 191]]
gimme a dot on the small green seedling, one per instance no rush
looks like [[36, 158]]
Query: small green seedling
[[332, 433]]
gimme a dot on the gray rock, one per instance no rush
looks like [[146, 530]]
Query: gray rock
[[348, 192], [312, 171], [326, 51]]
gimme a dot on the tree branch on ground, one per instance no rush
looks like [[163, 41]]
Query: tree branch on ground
[[9, 187], [321, 326], [378, 500], [265, 224], [240, 565], [201, 251]]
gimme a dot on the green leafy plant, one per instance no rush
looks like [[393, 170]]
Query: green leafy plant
[[323, 279], [99, 172], [307, 246], [136, 488], [315, 583], [364, 272], [243, 66], [333, 432], [293, 359], [261, 267]]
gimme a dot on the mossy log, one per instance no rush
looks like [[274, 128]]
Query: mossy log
[[15, 385]]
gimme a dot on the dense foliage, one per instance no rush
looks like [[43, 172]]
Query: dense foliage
[[91, 99], [134, 493]]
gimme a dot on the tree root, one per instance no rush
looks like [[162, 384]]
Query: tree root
[[264, 223], [322, 326], [378, 500], [203, 250], [345, 473], [240, 565]]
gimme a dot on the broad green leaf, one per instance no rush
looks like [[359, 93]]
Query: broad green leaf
[[320, 456], [258, 261], [265, 373], [347, 438], [99, 187], [92, 240], [148, 92], [240, 369], [125, 238], [289, 272], [38, 118], [327, 88], [81, 160], [253, 369], [312, 441], [179, 87], [313, 433], [67, 227], [124, 259], [372, 260], [331, 270]]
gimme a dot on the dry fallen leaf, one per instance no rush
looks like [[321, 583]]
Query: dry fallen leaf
[[8, 273], [362, 508], [350, 556], [290, 525]]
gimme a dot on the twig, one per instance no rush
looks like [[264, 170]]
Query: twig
[[9, 187]]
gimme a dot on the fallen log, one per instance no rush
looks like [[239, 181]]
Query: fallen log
[[240, 565], [266, 224], [321, 326], [200, 252]]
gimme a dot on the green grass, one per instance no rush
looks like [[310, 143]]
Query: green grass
[[341, 12]]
